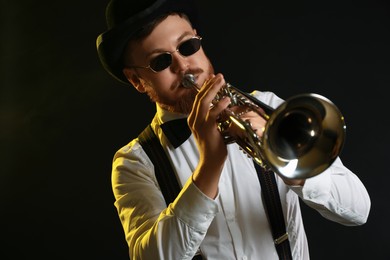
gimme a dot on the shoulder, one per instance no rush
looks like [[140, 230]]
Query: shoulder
[[131, 162], [132, 153]]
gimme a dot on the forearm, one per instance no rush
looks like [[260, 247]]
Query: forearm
[[175, 233], [206, 178]]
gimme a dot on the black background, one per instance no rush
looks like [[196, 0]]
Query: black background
[[63, 117]]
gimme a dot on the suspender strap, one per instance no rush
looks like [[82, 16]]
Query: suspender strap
[[170, 189], [163, 169], [169, 186], [274, 211]]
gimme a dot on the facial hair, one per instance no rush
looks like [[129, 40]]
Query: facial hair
[[183, 105]]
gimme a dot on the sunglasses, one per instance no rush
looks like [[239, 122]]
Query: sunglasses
[[164, 60]]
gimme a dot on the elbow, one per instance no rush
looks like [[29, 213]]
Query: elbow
[[361, 220], [364, 216], [365, 211], [361, 216]]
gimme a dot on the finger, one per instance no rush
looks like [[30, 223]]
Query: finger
[[219, 107], [205, 97], [255, 121]]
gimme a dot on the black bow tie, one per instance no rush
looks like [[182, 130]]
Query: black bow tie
[[177, 131]]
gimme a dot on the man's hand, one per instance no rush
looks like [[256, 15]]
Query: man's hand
[[203, 123]]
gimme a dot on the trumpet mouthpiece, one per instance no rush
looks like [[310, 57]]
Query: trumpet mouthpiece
[[189, 81]]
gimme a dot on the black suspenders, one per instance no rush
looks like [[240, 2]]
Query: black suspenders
[[170, 189], [163, 169]]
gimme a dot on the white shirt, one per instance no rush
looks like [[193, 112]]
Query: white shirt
[[234, 224]]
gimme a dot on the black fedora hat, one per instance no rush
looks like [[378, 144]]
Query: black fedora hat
[[124, 18]]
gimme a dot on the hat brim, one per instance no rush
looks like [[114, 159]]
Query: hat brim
[[111, 43]]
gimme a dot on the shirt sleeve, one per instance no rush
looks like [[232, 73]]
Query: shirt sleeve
[[337, 194], [152, 229]]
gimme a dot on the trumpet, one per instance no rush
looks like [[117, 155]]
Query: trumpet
[[302, 137]]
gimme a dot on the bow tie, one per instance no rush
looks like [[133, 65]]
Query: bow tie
[[177, 131]]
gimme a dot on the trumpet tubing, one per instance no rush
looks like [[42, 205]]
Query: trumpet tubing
[[302, 137]]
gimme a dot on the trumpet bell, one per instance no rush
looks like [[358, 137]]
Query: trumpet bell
[[303, 136]]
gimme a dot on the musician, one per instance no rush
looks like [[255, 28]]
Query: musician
[[220, 212]]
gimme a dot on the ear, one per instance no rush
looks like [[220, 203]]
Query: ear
[[134, 79]]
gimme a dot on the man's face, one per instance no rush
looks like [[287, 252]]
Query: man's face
[[165, 86]]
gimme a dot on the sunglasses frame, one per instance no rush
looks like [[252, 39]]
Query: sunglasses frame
[[170, 53]]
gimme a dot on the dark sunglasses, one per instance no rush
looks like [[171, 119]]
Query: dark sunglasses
[[164, 60]]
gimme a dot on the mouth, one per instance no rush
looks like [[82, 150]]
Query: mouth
[[189, 81]]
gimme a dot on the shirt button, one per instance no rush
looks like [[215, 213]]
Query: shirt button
[[244, 258]]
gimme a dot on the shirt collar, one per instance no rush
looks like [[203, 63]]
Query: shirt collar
[[173, 125]]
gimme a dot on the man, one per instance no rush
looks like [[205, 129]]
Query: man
[[220, 212]]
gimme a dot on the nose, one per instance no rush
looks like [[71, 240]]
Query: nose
[[179, 62]]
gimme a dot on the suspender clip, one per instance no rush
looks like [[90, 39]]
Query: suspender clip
[[280, 239]]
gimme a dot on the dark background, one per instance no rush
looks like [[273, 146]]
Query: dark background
[[63, 117]]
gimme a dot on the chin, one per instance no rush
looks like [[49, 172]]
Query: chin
[[184, 103]]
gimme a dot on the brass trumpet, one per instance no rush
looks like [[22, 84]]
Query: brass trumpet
[[302, 137]]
